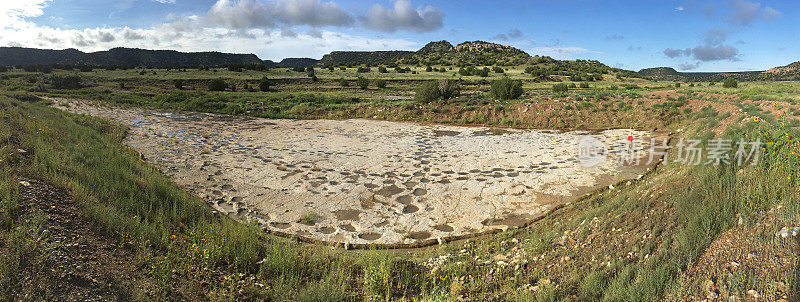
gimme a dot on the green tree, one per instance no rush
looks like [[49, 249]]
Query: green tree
[[507, 89], [380, 83], [428, 92], [730, 83], [362, 83], [263, 85], [217, 85], [560, 88]]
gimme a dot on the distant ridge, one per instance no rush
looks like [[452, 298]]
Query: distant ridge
[[788, 72], [18, 56]]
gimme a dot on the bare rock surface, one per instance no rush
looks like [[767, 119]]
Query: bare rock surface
[[370, 182]]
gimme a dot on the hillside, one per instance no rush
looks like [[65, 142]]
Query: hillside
[[361, 57], [478, 53], [670, 74], [18, 56]]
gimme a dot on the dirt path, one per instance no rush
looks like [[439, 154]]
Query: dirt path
[[368, 182], [82, 265]]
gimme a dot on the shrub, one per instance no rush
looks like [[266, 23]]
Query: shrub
[[363, 69], [448, 89], [498, 69], [428, 69], [560, 87], [507, 89], [677, 85], [299, 69], [362, 83], [344, 82], [382, 69], [429, 91], [730, 83], [66, 82], [178, 84], [264, 84], [85, 68], [380, 83], [584, 85], [3, 68], [217, 85]]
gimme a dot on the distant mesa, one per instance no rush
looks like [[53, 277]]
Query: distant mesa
[[788, 72], [18, 56]]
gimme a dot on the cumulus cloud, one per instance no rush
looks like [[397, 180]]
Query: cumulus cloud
[[403, 17], [561, 52], [746, 12], [247, 14], [511, 34], [715, 37], [706, 53], [674, 53], [715, 53], [688, 66]]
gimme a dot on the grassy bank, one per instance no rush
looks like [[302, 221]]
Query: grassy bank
[[627, 244]]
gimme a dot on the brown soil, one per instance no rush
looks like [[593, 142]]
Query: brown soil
[[84, 265]]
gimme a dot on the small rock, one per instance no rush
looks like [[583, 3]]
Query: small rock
[[544, 282], [25, 183], [442, 241], [21, 151], [753, 293], [708, 286], [712, 295], [734, 264]]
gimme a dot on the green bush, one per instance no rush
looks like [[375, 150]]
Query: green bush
[[362, 83], [364, 69], [217, 85], [448, 89], [730, 83], [560, 87], [382, 69], [264, 84], [178, 84], [344, 82], [428, 69], [428, 92], [66, 82], [380, 83], [584, 85], [498, 69], [507, 89]]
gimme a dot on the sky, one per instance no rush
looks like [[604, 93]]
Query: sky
[[726, 35]]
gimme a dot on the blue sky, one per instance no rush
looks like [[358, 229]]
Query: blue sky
[[727, 35]]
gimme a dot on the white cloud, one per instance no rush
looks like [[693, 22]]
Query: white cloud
[[198, 33], [245, 14], [561, 52], [403, 17], [165, 1]]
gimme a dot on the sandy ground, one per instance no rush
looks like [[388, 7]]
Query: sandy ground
[[363, 181]]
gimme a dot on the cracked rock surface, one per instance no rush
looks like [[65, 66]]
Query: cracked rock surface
[[366, 182]]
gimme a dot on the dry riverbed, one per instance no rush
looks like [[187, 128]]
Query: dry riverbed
[[370, 182]]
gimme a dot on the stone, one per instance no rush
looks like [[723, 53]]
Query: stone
[[25, 183]]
